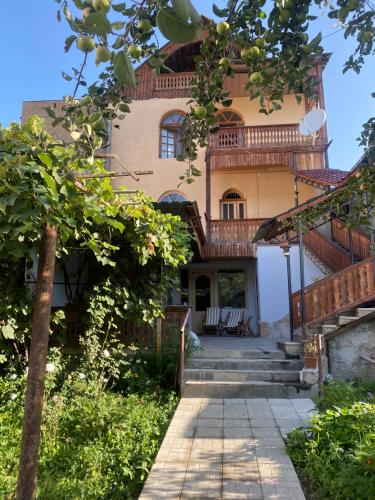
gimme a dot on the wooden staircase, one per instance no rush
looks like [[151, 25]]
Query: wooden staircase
[[351, 284]]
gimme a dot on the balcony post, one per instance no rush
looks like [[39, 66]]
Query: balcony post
[[208, 184], [285, 246]]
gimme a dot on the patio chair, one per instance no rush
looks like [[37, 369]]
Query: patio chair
[[234, 321], [212, 321]]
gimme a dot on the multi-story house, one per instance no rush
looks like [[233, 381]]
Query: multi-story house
[[254, 168]]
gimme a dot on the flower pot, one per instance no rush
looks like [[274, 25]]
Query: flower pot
[[310, 361]]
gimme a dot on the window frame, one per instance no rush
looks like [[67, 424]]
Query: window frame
[[235, 202], [169, 128]]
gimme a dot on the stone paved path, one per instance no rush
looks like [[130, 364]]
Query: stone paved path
[[228, 449]]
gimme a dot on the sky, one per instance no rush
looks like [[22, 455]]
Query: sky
[[33, 57]]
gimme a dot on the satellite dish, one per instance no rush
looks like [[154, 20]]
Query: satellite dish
[[312, 122]]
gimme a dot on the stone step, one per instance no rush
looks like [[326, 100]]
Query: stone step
[[242, 375], [255, 389], [363, 311], [238, 354], [328, 328], [291, 349], [243, 364], [344, 320]]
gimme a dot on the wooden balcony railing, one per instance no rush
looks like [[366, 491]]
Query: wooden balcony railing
[[336, 293], [360, 241], [230, 238], [329, 253], [261, 137], [174, 81]]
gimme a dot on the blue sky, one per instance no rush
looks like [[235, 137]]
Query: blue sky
[[34, 57]]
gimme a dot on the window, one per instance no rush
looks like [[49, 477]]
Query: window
[[171, 131], [232, 289], [172, 198], [202, 293], [232, 205], [229, 119]]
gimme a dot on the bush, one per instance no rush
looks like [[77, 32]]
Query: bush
[[335, 456], [96, 443]]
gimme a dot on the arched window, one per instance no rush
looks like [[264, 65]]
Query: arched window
[[232, 205], [229, 118], [172, 197], [171, 131]]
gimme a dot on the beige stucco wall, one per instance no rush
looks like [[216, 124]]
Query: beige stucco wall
[[137, 144]]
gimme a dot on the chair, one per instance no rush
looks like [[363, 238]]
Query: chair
[[212, 321], [234, 321]]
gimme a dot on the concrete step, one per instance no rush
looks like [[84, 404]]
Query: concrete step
[[239, 354], [344, 320], [243, 364], [291, 349], [363, 311], [328, 328], [255, 389], [242, 375]]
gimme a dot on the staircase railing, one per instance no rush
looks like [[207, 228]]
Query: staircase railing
[[334, 294], [327, 251], [360, 240], [185, 323]]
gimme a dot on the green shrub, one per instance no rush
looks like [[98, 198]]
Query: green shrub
[[335, 456], [96, 443], [341, 393]]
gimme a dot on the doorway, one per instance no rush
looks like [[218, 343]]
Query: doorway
[[201, 297]]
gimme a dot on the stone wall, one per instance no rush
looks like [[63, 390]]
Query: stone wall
[[346, 351]]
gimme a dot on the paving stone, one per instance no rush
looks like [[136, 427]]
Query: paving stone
[[239, 433], [227, 449], [210, 422]]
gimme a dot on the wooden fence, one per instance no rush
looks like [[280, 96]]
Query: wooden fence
[[360, 240]]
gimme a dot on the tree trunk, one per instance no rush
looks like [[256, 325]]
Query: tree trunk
[[37, 366]]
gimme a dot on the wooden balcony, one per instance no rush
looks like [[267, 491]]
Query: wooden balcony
[[230, 238], [360, 241], [337, 293], [265, 145], [174, 81]]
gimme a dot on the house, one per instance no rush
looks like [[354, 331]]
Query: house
[[253, 169]]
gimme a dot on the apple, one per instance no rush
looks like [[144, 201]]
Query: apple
[[256, 78], [144, 25], [260, 43], [366, 36], [85, 43], [222, 27], [284, 16], [103, 54], [101, 5], [200, 111], [135, 51]]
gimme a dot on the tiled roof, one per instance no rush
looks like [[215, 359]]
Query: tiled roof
[[325, 177]]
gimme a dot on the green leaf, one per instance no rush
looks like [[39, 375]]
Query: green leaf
[[119, 42], [8, 332], [186, 10], [97, 23], [219, 12], [66, 77], [46, 159], [118, 7], [118, 26], [80, 5], [123, 69], [68, 42], [173, 28], [50, 182], [316, 41]]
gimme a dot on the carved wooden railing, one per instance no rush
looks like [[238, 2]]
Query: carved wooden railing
[[332, 256], [264, 136], [336, 293], [360, 241], [231, 238], [174, 81], [233, 230]]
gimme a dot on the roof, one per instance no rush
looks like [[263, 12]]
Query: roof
[[326, 178]]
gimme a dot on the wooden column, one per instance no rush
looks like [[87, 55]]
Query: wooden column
[[208, 188]]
